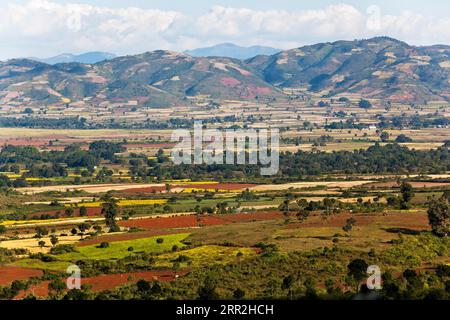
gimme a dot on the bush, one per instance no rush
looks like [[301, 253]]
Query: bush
[[103, 245], [403, 139], [365, 104], [62, 248]]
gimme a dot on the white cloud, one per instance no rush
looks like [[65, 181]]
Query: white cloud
[[43, 28]]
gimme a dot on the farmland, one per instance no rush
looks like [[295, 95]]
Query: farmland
[[113, 203]]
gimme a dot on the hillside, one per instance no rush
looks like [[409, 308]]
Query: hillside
[[381, 68], [154, 79], [375, 68]]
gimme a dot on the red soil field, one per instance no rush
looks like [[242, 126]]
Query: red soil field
[[172, 222], [390, 184], [34, 142], [108, 281], [9, 273], [416, 222], [91, 212], [195, 221]]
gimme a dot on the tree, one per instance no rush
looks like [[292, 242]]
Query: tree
[[384, 136], [403, 139], [439, 217], [349, 224], [5, 182], [2, 229], [287, 284], [69, 211], [20, 183], [357, 270], [208, 290], [104, 245], [406, 190], [365, 104], [57, 286], [84, 227], [143, 286], [40, 232], [41, 243], [156, 288], [54, 240], [110, 209], [83, 211]]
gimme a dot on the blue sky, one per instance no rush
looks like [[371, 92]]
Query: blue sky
[[49, 27]]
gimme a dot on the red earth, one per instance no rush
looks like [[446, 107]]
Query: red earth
[[418, 222], [192, 221], [91, 212], [393, 184], [9, 273]]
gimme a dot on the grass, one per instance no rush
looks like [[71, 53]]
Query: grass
[[58, 266], [119, 250], [205, 256]]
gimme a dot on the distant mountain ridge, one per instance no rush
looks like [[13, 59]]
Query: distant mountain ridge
[[231, 50], [381, 68], [88, 57]]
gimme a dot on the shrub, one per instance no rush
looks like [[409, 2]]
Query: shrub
[[62, 248], [104, 245]]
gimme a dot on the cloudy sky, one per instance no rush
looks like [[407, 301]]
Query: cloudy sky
[[43, 28]]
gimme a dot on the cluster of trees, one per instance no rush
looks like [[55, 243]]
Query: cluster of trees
[[32, 122], [415, 121], [54, 163], [82, 123], [391, 158], [439, 215]]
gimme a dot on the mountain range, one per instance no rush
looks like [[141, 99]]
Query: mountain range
[[231, 50], [88, 57], [382, 68]]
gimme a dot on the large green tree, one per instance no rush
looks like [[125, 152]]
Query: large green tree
[[110, 209], [439, 216]]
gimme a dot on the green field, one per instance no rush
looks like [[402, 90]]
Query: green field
[[119, 250]]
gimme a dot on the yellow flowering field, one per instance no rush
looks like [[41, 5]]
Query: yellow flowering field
[[122, 203]]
